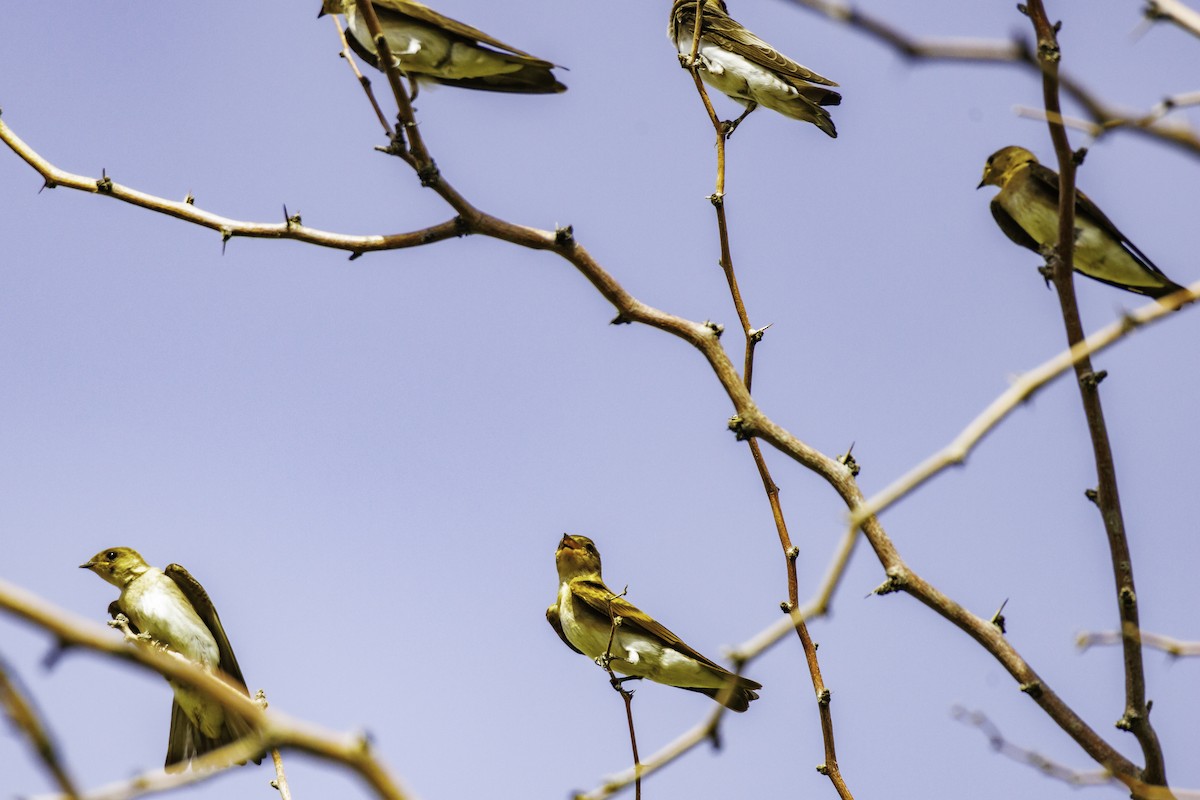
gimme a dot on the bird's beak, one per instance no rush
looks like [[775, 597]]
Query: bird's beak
[[88, 565], [321, 13], [568, 542], [982, 181]]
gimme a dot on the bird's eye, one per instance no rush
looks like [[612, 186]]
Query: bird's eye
[[591, 548], [111, 555]]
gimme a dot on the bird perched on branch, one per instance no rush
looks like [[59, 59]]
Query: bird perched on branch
[[432, 47], [1026, 209], [641, 647], [736, 62], [173, 609]]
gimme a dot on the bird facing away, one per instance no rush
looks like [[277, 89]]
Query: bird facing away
[[173, 608], [641, 647], [1026, 209], [432, 47], [736, 62]]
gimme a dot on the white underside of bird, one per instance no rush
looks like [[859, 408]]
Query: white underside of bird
[[156, 606], [420, 49], [741, 79], [633, 653]]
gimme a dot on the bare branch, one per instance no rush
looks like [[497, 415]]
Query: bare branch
[[1021, 390], [1177, 648], [25, 717], [273, 728], [1174, 11]]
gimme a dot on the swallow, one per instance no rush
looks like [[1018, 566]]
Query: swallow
[[739, 64], [173, 608], [641, 647], [1026, 209], [433, 47]]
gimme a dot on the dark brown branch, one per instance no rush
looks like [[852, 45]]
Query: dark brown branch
[[1136, 717]]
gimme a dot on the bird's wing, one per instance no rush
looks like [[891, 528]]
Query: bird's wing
[[196, 595], [181, 744], [556, 623], [1085, 209], [728, 34], [422, 13], [599, 599]]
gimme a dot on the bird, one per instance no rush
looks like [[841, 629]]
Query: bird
[[641, 647], [1026, 209], [433, 47], [736, 62], [173, 609]]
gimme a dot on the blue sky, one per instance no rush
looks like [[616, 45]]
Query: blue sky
[[368, 464]]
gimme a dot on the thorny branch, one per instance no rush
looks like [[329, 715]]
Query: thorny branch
[[752, 337], [749, 421], [1136, 717]]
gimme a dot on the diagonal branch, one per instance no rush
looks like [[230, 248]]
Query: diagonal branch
[[1022, 389], [272, 728], [24, 715]]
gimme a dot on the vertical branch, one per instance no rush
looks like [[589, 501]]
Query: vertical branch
[[1136, 715], [626, 695], [752, 338]]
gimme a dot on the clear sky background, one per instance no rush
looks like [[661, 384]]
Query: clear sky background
[[368, 464]]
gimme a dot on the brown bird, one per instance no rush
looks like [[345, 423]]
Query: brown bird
[[1026, 209], [736, 62], [433, 47], [641, 647], [173, 608]]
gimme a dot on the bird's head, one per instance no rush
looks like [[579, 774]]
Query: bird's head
[[1003, 163], [577, 557], [117, 565], [333, 7]]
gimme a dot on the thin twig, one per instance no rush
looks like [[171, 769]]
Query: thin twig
[[1023, 388], [363, 80], [626, 695]]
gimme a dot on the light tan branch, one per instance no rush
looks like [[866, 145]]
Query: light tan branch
[[1172, 647], [1174, 11], [273, 728], [1021, 390], [186, 210], [24, 715]]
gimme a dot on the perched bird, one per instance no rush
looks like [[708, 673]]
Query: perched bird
[[735, 61], [1026, 209], [641, 647], [173, 608], [432, 47]]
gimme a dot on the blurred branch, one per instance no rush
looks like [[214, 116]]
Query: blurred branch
[[1104, 116], [1057, 771], [24, 715], [1173, 11], [272, 728], [1177, 648], [1136, 716], [1025, 387], [626, 695]]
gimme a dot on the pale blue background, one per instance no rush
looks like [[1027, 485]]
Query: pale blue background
[[369, 464]]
